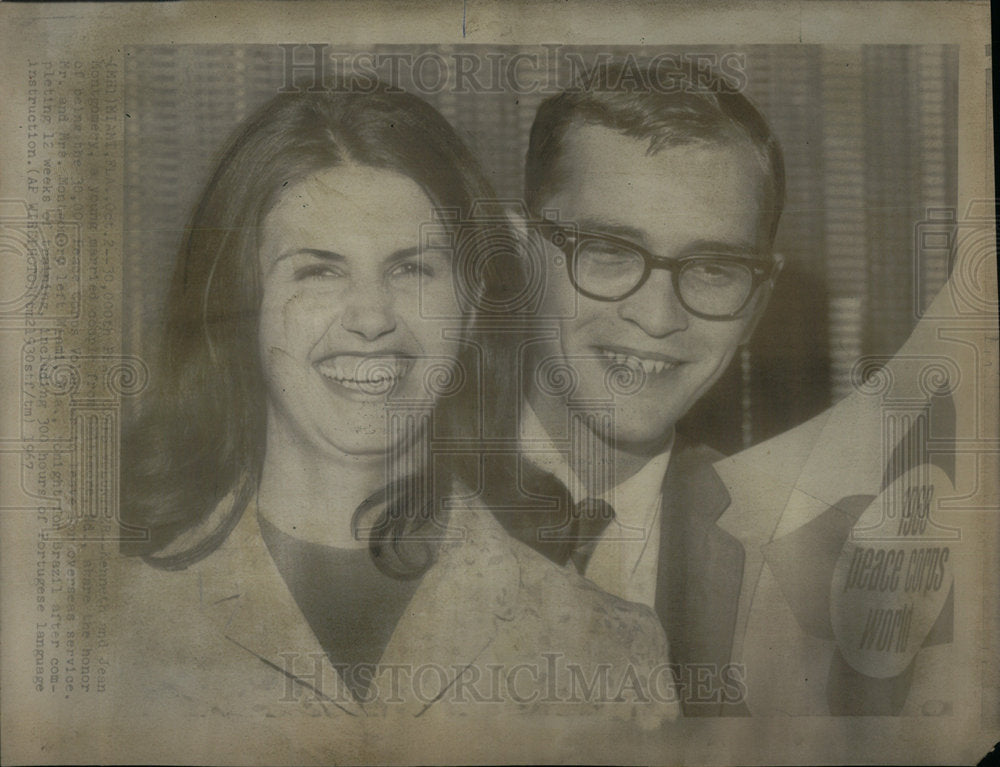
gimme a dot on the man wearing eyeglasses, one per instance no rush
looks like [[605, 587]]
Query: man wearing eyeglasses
[[657, 209], [654, 200]]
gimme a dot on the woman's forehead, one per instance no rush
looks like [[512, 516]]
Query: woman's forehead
[[348, 206]]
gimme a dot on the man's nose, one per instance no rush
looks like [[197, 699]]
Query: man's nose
[[369, 313], [655, 307]]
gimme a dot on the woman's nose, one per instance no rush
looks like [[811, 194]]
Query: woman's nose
[[369, 313]]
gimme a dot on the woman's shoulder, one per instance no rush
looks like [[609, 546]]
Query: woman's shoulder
[[576, 616], [589, 651], [577, 605]]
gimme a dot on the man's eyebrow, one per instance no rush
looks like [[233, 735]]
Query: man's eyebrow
[[723, 248], [614, 228], [638, 236]]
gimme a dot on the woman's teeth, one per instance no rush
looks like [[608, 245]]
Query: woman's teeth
[[371, 375], [649, 367]]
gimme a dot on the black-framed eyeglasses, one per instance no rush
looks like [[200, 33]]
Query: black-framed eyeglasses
[[713, 286]]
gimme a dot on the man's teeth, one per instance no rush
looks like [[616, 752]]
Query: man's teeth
[[649, 367], [367, 374]]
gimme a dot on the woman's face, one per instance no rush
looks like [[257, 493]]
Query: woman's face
[[345, 324]]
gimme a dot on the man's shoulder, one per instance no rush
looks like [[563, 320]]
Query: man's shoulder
[[692, 482]]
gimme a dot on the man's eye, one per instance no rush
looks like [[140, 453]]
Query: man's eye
[[316, 271], [712, 269], [717, 271], [607, 253]]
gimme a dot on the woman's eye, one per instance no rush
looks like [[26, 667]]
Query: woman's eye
[[316, 271], [412, 269]]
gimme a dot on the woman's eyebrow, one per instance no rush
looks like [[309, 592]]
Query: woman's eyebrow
[[331, 255], [334, 257], [402, 254], [324, 255]]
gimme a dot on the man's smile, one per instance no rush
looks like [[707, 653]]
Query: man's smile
[[650, 363]]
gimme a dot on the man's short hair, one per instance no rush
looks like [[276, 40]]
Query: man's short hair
[[679, 106]]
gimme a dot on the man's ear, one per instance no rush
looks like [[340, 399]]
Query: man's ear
[[762, 298]]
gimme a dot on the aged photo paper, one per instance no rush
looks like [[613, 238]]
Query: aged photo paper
[[482, 382]]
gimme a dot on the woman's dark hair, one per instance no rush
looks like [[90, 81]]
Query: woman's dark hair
[[198, 436]]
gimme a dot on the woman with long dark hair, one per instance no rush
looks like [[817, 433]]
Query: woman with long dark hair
[[325, 337]]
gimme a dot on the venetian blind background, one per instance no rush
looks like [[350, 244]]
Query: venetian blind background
[[870, 141]]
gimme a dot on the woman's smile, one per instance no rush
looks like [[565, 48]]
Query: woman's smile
[[375, 375]]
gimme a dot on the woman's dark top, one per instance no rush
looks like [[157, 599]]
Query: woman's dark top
[[351, 606]]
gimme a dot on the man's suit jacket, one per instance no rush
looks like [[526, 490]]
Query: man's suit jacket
[[698, 587], [223, 643], [744, 593]]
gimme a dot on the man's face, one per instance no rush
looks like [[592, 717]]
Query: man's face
[[341, 331], [680, 201]]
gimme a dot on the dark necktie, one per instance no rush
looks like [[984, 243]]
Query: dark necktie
[[556, 527]]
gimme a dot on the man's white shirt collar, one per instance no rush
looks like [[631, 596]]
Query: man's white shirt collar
[[624, 561]]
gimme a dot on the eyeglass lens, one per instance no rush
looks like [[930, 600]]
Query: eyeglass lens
[[712, 286]]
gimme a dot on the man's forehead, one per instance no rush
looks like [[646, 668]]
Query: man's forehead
[[615, 179], [596, 149]]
